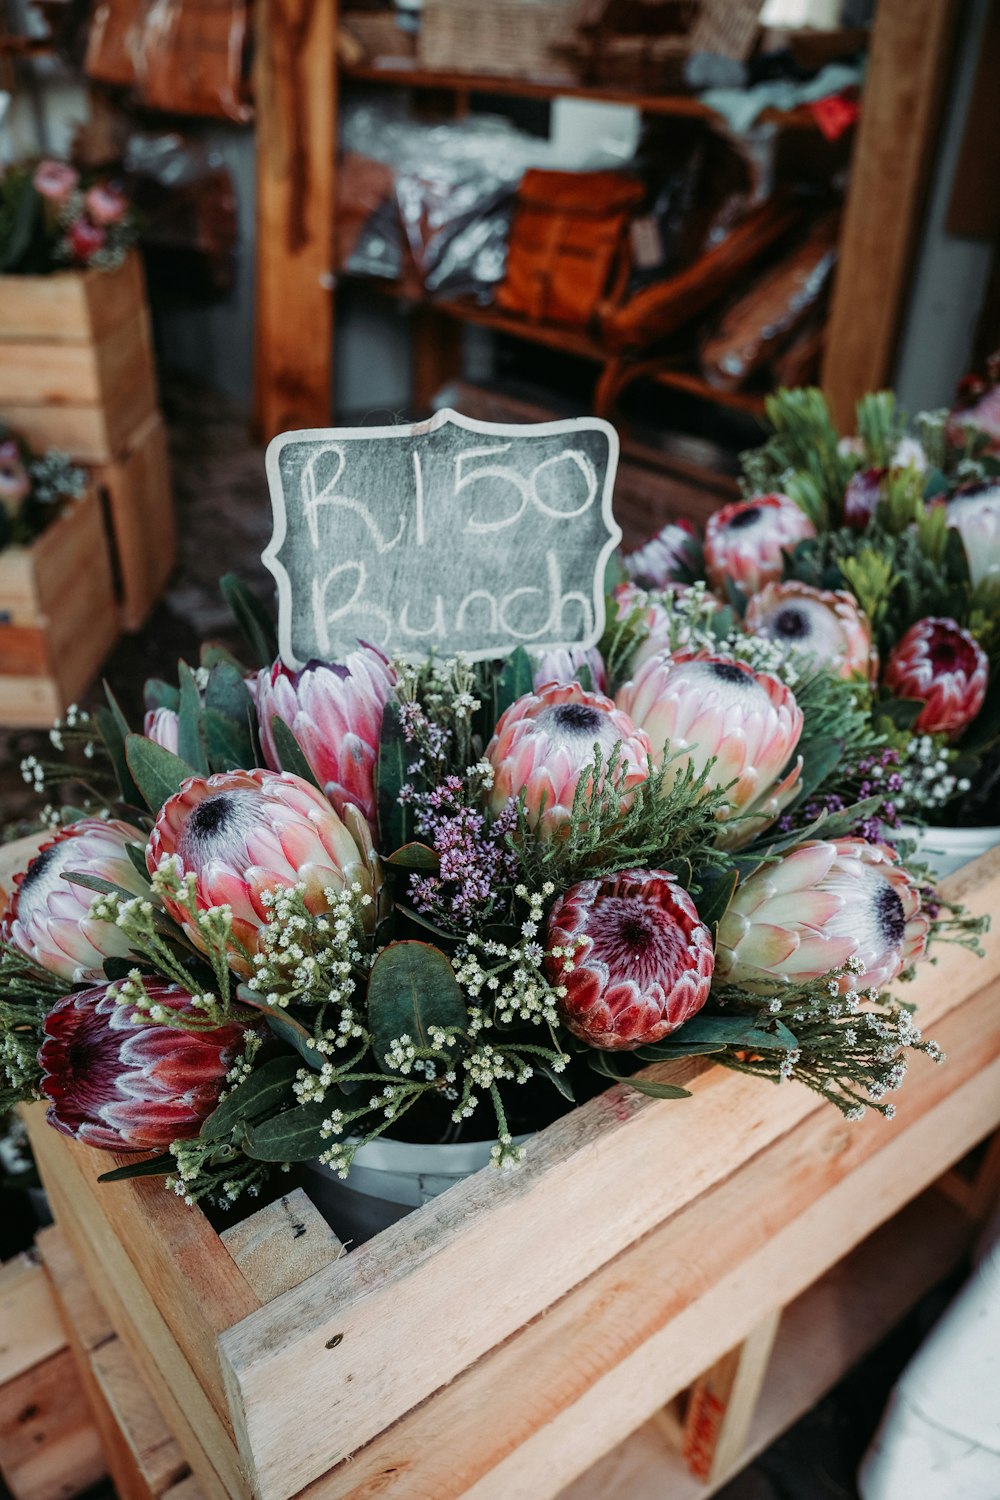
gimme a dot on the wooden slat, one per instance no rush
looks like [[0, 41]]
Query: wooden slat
[[49, 1447], [722, 1402], [282, 1244], [610, 1151], [822, 1334], [295, 88], [157, 1460], [30, 1326], [141, 508], [909, 64]]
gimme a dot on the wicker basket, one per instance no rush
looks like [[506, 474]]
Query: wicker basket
[[512, 38]]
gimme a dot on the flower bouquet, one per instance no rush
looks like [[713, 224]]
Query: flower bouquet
[[53, 218], [301, 910], [33, 488]]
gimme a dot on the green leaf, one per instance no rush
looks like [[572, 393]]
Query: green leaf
[[731, 1031], [415, 857], [157, 772], [412, 989], [559, 1081], [260, 1095], [212, 655], [284, 1026], [253, 618], [190, 745], [290, 755], [227, 692], [160, 694], [820, 758], [429, 925], [227, 744], [154, 1166], [394, 756], [606, 1065], [137, 859], [902, 712], [294, 1135], [516, 679], [117, 969], [98, 883], [718, 889], [113, 729], [585, 677]]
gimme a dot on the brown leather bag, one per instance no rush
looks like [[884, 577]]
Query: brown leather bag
[[568, 243]]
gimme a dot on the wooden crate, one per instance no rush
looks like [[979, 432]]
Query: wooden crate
[[76, 359], [49, 1446], [141, 510], [652, 1235], [58, 615]]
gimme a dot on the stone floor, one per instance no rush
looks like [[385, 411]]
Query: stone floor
[[224, 521]]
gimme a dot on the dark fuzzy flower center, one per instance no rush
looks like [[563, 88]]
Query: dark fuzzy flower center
[[791, 624], [891, 917], [36, 870], [217, 826], [744, 518], [578, 718], [950, 653], [730, 671], [637, 941]]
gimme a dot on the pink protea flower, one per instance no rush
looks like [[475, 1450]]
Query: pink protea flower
[[49, 919], [982, 415], [861, 498], [122, 1086], [945, 668], [561, 666], [974, 512], [55, 180], [825, 906], [85, 240], [644, 965], [335, 713], [665, 558], [162, 726], [546, 740], [825, 624], [243, 834], [105, 203], [695, 706], [15, 481], [745, 541]]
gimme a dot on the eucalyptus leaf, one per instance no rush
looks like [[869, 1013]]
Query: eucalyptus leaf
[[295, 1135], [658, 1090], [160, 694], [729, 1031], [154, 1166], [902, 712], [157, 772], [415, 857], [263, 1093], [290, 754], [820, 757], [394, 820], [227, 744], [411, 991], [226, 690], [284, 1026], [252, 617], [559, 1081], [516, 679], [190, 745], [137, 859]]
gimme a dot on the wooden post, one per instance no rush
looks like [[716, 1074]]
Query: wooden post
[[909, 66], [437, 355], [295, 80], [721, 1404]]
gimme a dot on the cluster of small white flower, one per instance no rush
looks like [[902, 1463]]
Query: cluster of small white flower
[[925, 771]]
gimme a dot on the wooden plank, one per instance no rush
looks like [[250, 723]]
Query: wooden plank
[[909, 64], [822, 1334], [437, 355], [49, 1447], [141, 508], [610, 1150], [683, 1290], [295, 89], [70, 306], [722, 1402], [89, 434], [24, 651], [82, 1314], [156, 1456], [31, 1329], [974, 207], [36, 373], [282, 1244], [29, 702]]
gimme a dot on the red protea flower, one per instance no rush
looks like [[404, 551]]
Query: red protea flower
[[974, 512], [645, 962], [243, 834], [105, 203], [546, 740], [562, 664], [861, 497], [335, 713], [667, 558], [15, 481], [945, 668], [695, 706], [49, 919], [85, 240], [745, 542], [824, 906], [123, 1086], [162, 726], [827, 625]]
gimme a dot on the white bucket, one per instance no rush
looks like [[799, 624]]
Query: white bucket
[[948, 849]]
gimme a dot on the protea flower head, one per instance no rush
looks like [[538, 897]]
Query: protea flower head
[[335, 713], [546, 740], [861, 498], [974, 512], [15, 481], [162, 726], [105, 203], [655, 617], [825, 624], [745, 541], [85, 240], [641, 958], [945, 668], [561, 666], [49, 918], [824, 906], [122, 1086], [55, 180], [981, 414], [666, 558], [243, 834], [695, 707]]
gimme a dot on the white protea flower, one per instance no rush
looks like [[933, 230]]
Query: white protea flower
[[746, 541], [561, 665], [975, 514], [827, 625], [826, 905], [697, 708], [665, 558]]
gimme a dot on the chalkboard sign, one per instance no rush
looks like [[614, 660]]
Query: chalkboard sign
[[454, 534]]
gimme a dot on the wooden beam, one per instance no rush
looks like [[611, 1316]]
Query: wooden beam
[[722, 1402], [909, 67], [295, 82]]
